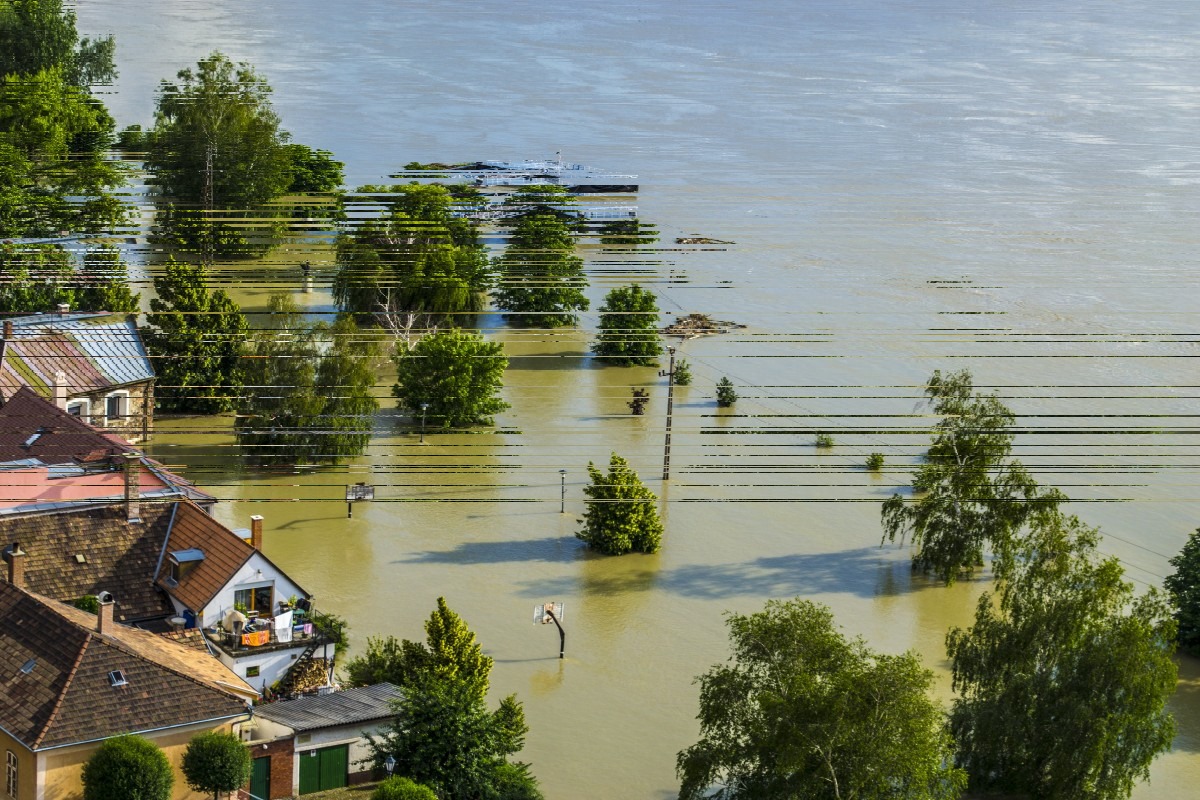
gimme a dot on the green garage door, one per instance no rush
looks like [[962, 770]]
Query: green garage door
[[260, 779], [324, 769]]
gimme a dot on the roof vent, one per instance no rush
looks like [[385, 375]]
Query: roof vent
[[117, 678], [28, 666]]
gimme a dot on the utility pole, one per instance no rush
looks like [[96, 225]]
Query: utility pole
[[207, 200], [669, 372]]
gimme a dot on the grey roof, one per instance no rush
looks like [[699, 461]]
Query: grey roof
[[110, 341], [331, 710]]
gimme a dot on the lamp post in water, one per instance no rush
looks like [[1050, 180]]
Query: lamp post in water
[[424, 408], [562, 503]]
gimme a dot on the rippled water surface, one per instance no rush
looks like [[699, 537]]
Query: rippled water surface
[[1007, 187]]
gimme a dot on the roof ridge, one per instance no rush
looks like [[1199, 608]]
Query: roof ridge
[[62, 695]]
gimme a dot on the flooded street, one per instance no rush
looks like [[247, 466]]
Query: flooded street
[[1012, 191]]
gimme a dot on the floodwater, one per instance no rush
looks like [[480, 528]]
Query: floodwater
[[1010, 188]]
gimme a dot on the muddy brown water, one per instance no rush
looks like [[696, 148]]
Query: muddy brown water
[[935, 186]]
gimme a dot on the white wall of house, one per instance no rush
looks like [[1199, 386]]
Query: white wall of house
[[271, 666], [257, 571]]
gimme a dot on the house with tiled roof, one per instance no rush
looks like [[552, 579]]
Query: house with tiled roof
[[50, 459], [93, 365], [72, 680]]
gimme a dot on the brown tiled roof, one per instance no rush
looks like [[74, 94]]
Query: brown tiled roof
[[63, 438], [120, 557], [188, 637], [224, 554], [66, 696]]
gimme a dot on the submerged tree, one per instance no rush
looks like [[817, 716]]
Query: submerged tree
[[726, 394], [419, 258], [1184, 587], [628, 328], [195, 339], [802, 711], [453, 377], [969, 493], [622, 514], [309, 388], [1064, 677], [540, 279]]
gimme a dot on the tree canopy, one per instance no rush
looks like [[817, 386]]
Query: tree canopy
[[801, 711], [53, 132], [541, 281], [622, 514], [628, 328], [1184, 587], [418, 258], [36, 278], [195, 338], [1064, 677], [127, 768], [450, 652], [457, 374], [216, 762], [308, 390], [969, 492], [397, 788]]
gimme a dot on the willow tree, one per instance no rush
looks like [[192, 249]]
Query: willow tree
[[1063, 679], [418, 259], [970, 493]]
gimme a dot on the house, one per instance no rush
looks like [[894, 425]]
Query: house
[[72, 679], [316, 743], [92, 365], [50, 459]]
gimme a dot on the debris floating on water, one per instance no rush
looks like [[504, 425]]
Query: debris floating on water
[[694, 325], [700, 240]]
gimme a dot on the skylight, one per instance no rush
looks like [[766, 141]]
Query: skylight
[[36, 435], [117, 678], [28, 666]]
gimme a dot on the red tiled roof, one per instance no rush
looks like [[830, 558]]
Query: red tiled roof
[[224, 554], [63, 438]]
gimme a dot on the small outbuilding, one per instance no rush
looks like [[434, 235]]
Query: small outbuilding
[[316, 743]]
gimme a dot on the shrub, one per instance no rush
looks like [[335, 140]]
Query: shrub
[[127, 768], [402, 789], [726, 395], [875, 462], [824, 440], [683, 373]]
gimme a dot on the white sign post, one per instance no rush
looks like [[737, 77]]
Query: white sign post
[[552, 611]]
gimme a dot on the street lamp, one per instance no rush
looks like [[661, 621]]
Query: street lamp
[[389, 764], [424, 408], [562, 505]]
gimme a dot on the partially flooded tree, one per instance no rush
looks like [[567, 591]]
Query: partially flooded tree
[[970, 493], [1184, 587], [453, 377], [622, 514], [628, 328], [802, 711], [1063, 679]]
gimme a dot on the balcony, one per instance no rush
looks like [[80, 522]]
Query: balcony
[[260, 637]]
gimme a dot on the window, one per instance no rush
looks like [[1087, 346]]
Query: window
[[79, 408], [252, 672], [260, 599], [116, 407], [10, 775]]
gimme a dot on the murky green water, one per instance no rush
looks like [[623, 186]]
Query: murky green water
[[909, 188]]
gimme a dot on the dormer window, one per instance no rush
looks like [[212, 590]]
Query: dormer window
[[184, 561]]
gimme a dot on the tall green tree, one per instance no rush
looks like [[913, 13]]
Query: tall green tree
[[103, 283], [457, 374], [36, 35], [127, 768], [308, 390], [969, 493], [628, 328], [622, 514], [445, 737], [541, 281], [216, 762], [450, 652], [1064, 677], [195, 338], [312, 171], [223, 109], [801, 711], [1184, 587], [417, 259]]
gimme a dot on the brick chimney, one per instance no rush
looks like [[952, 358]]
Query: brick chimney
[[16, 565], [256, 532], [60, 389], [104, 617], [64, 309], [133, 511], [8, 329]]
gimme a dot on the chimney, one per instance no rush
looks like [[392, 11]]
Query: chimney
[[8, 329], [64, 309], [104, 617], [16, 565], [60, 389], [256, 532], [133, 511]]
